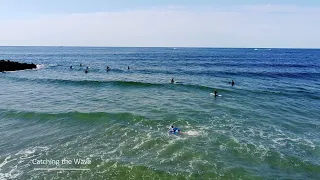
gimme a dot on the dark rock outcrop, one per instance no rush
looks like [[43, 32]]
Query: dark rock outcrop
[[14, 66]]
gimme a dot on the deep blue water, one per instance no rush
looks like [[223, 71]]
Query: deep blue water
[[266, 126]]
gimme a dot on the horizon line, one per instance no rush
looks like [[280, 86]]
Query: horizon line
[[193, 47]]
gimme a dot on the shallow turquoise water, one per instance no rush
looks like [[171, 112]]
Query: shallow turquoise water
[[264, 127]]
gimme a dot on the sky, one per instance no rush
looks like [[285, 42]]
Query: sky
[[161, 23]]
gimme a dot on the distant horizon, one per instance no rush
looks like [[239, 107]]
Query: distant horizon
[[167, 47]]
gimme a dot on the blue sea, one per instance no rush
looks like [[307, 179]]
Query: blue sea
[[116, 122]]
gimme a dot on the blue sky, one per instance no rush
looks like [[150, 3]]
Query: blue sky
[[195, 23], [10, 7]]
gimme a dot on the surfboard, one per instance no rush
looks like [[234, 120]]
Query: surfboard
[[176, 82], [212, 94]]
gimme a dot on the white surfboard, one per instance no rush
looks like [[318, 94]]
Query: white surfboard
[[212, 94]]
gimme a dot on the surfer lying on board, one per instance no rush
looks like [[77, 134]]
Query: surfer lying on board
[[175, 130]]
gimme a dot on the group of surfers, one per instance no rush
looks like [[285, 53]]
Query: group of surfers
[[172, 80], [87, 68]]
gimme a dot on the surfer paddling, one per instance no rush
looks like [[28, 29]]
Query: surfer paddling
[[87, 69], [175, 130]]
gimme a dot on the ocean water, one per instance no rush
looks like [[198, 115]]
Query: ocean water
[[266, 126]]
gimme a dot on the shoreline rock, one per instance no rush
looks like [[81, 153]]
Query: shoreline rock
[[7, 65]]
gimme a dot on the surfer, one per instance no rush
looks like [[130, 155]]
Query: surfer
[[172, 80], [70, 67], [128, 68], [108, 68], [215, 93], [86, 71], [232, 83], [175, 130]]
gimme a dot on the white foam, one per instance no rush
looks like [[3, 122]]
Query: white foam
[[32, 150], [5, 161], [13, 173], [53, 65], [192, 133], [40, 66]]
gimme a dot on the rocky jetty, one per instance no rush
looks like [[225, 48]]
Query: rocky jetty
[[6, 65]]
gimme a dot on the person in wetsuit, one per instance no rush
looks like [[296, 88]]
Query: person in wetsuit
[[215, 93], [232, 83], [175, 130]]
